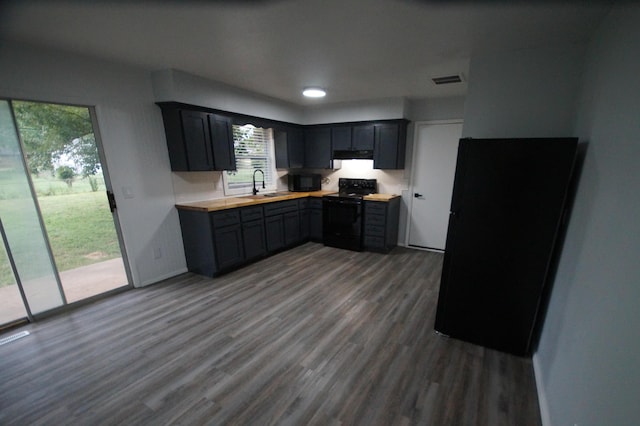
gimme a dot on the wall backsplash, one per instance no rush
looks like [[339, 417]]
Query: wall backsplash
[[196, 186], [389, 181]]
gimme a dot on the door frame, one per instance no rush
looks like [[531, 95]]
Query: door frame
[[412, 177], [93, 115]]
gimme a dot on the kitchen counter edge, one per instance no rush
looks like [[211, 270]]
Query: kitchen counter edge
[[251, 200], [245, 200]]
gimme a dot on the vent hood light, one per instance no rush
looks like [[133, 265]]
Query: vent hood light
[[314, 92]]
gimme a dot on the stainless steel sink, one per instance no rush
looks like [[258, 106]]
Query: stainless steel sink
[[276, 194]]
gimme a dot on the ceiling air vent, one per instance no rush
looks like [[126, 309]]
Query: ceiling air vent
[[449, 79]]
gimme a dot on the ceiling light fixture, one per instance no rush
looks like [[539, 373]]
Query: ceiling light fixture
[[314, 92]]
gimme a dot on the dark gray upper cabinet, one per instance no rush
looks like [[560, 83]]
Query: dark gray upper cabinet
[[390, 145], [197, 140], [317, 148], [363, 137], [341, 138], [188, 139], [289, 148], [201, 139], [224, 156]]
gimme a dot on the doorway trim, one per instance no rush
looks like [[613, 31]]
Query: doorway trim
[[109, 188], [416, 134]]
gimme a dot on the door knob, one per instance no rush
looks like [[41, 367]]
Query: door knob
[[416, 195]]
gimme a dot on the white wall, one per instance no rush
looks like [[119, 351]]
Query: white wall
[[588, 360], [133, 141], [377, 109], [179, 86], [451, 108], [523, 93]]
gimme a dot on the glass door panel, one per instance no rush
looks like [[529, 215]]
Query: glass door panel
[[69, 181], [11, 306], [22, 225]]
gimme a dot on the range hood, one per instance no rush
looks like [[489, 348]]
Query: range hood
[[364, 154]]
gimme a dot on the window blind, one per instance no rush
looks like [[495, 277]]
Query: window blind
[[254, 150]]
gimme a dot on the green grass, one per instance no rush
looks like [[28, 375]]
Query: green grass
[[79, 224], [80, 229]]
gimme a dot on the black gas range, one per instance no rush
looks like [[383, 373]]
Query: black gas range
[[342, 213]]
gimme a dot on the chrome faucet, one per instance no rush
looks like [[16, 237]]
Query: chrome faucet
[[255, 191]]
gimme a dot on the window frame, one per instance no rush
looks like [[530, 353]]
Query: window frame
[[270, 173]]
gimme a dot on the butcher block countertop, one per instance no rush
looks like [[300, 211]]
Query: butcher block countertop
[[247, 200], [380, 197], [250, 200]]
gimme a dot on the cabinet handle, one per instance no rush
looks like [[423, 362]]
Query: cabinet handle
[[416, 195]]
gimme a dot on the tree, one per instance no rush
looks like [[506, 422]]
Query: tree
[[49, 131], [66, 174]]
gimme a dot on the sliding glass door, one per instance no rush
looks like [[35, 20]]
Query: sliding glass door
[[29, 263], [60, 240]]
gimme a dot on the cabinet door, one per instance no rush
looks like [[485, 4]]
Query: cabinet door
[[304, 224], [363, 137], [341, 138], [228, 246], [291, 228], [317, 144], [385, 155], [295, 147], [280, 147], [315, 224], [196, 138], [289, 147], [274, 230], [224, 157], [253, 237]]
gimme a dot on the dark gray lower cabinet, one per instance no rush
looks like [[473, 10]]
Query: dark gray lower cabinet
[[254, 240], [253, 232], [219, 241], [315, 219], [228, 246], [304, 224], [291, 223], [274, 227], [381, 224], [282, 224]]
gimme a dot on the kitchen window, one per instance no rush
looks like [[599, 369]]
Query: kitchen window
[[254, 150]]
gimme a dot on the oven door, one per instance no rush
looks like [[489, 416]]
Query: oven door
[[342, 223]]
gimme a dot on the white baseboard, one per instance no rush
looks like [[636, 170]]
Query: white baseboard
[[545, 416]]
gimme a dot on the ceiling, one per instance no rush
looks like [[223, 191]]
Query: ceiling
[[356, 49]]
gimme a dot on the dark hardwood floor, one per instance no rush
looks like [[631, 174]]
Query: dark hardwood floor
[[313, 335]]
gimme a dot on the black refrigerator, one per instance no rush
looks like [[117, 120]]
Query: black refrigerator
[[506, 210]]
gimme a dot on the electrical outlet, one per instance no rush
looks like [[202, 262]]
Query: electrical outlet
[[127, 191], [157, 253]]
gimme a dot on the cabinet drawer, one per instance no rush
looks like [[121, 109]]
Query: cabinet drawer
[[374, 219], [371, 229], [315, 203], [225, 218], [303, 203], [375, 207], [373, 242], [251, 213], [281, 207]]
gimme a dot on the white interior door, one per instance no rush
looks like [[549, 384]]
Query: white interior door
[[435, 152]]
